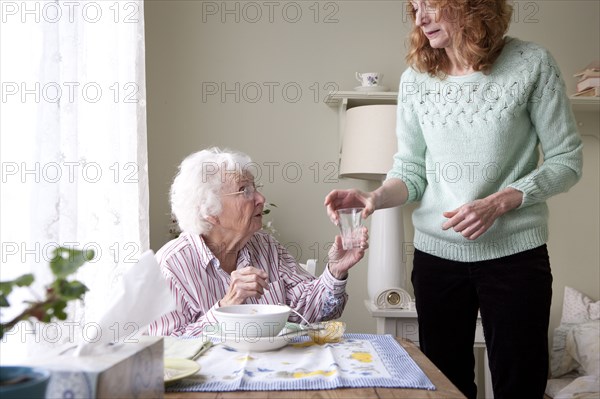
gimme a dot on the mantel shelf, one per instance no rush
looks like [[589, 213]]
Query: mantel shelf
[[357, 98], [585, 104]]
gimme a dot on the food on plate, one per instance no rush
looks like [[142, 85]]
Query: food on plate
[[331, 331]]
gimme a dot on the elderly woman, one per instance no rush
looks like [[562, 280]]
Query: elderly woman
[[474, 108], [222, 258]]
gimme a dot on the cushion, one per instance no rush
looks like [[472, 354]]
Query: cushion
[[561, 362], [578, 307], [575, 342], [586, 387], [555, 385], [583, 345]]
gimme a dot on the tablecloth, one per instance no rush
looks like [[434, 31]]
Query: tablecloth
[[359, 360]]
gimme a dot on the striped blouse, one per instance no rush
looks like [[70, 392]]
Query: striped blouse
[[198, 283]]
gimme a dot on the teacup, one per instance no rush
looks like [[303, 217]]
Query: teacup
[[369, 79]]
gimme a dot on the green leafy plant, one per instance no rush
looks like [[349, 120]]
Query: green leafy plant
[[268, 225], [267, 208], [65, 261]]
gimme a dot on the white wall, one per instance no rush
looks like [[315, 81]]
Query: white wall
[[292, 134]]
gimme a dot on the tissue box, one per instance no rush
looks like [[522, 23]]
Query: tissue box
[[125, 370]]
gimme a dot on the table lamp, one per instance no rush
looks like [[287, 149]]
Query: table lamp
[[368, 146]]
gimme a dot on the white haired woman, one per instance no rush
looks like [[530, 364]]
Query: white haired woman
[[223, 258]]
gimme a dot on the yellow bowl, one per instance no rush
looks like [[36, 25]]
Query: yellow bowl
[[332, 332]]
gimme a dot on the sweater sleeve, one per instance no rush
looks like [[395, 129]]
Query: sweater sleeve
[[409, 160], [551, 115]]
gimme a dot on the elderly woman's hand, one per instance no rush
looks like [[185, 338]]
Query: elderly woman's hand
[[248, 282], [341, 260]]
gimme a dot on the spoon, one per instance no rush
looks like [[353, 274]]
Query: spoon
[[308, 323]]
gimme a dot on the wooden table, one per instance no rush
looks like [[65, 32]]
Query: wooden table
[[445, 389], [404, 323]]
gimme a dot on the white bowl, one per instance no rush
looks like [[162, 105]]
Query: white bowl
[[249, 321]]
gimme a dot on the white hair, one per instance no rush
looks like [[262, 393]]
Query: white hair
[[196, 189]]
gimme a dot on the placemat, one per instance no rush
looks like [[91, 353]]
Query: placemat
[[359, 360]]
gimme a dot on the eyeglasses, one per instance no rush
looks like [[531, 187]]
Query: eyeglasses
[[248, 191]]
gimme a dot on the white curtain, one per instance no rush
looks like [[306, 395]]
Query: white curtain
[[73, 142]]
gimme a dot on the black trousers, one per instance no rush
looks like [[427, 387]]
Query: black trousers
[[512, 293]]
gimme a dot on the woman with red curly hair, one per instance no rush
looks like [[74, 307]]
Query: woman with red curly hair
[[475, 109]]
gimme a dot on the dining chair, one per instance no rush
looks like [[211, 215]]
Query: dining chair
[[310, 266]]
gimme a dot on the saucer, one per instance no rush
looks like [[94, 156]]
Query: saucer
[[371, 88], [256, 344]]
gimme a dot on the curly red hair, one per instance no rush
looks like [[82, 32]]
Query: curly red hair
[[479, 38]]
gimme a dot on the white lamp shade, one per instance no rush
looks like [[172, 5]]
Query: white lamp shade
[[369, 142]]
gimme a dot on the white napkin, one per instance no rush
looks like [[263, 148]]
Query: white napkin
[[142, 296], [185, 348]]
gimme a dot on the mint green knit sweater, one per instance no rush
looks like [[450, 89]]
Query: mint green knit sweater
[[466, 137]]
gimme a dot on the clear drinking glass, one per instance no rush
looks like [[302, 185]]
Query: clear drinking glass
[[350, 222]]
